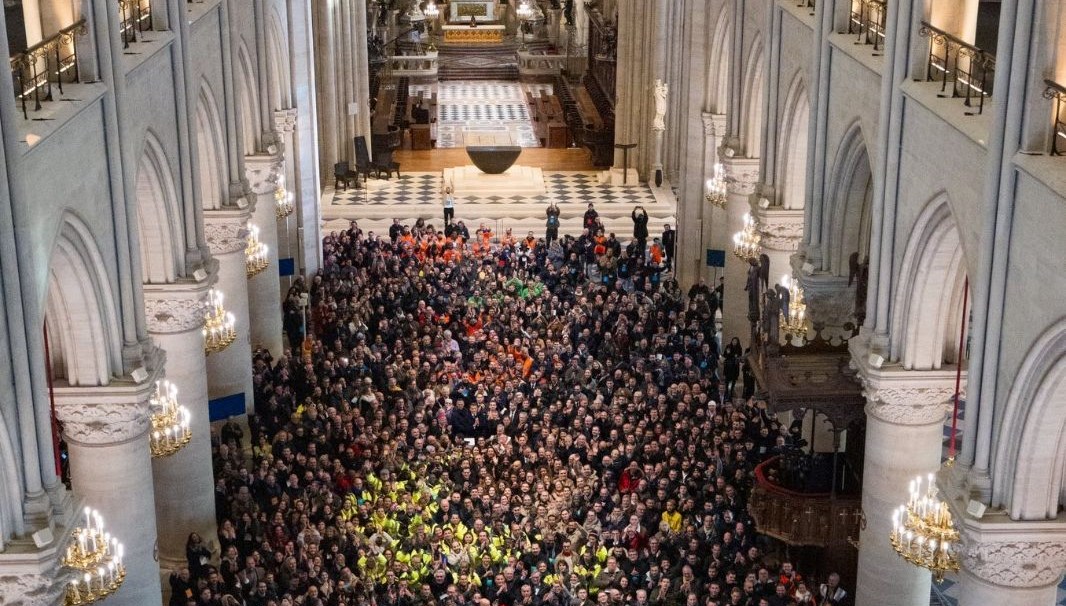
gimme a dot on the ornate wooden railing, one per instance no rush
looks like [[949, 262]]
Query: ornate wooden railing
[[970, 70], [867, 21], [136, 17], [1057, 93], [52, 61], [798, 518]]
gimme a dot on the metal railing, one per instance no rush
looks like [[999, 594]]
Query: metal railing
[[50, 61], [136, 17], [867, 21], [970, 70], [1057, 92]]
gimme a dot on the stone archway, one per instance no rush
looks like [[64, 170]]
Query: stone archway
[[159, 218], [718, 64], [928, 297], [847, 216], [1030, 451], [211, 154], [752, 119], [247, 100], [791, 179]]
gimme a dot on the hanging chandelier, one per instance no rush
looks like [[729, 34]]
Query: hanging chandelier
[[746, 242], [283, 200], [524, 11], [96, 558], [432, 11], [794, 320], [923, 532], [219, 325], [171, 429], [716, 187], [256, 257]]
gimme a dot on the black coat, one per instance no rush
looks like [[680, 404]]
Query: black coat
[[640, 225]]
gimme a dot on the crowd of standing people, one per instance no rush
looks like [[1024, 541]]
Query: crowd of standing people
[[486, 420]]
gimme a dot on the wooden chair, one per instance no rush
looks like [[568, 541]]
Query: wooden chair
[[383, 162], [342, 174]]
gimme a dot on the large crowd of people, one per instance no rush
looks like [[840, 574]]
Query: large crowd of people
[[486, 420]]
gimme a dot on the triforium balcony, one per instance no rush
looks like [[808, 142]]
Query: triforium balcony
[[968, 69], [51, 61]]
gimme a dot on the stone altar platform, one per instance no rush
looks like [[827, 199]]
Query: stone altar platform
[[470, 182], [482, 34]]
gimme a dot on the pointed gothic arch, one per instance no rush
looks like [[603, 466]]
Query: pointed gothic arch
[[211, 151], [848, 203], [791, 178], [83, 322], [718, 64], [278, 62], [1029, 478], [247, 101], [159, 217], [928, 297], [752, 101]]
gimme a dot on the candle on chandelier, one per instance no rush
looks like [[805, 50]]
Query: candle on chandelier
[[74, 588], [88, 585]]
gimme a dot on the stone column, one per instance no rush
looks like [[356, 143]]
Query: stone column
[[904, 433], [288, 227], [264, 299], [1015, 570], [229, 372], [184, 486], [106, 430], [742, 175]]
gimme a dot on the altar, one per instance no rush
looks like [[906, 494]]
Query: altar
[[480, 10], [483, 33]]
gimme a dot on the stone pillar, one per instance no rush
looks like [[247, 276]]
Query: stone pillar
[[742, 175], [106, 430], [184, 485], [904, 433], [1016, 569], [641, 29], [229, 372], [288, 227], [264, 299]]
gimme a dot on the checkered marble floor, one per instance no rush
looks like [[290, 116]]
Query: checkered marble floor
[[483, 113], [425, 188]]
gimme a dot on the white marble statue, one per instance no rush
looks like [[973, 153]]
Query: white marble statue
[[660, 91]]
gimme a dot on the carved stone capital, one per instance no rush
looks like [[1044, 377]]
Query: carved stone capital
[[1016, 563], [263, 172], [225, 230], [176, 308], [106, 415], [713, 124], [781, 229], [285, 120]]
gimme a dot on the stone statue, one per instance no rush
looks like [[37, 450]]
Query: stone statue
[[660, 92], [753, 291], [771, 319]]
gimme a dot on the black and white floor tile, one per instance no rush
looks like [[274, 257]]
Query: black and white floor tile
[[486, 112], [563, 187]]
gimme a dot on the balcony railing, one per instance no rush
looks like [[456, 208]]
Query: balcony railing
[[136, 17], [867, 21], [970, 70], [1057, 92], [52, 61]]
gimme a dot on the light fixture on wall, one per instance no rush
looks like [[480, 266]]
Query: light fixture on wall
[[256, 254], [171, 430], [96, 559], [716, 187], [283, 199], [747, 242], [219, 325], [923, 532], [794, 320]]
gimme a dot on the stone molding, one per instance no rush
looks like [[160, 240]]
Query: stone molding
[[102, 416], [713, 124], [781, 229], [903, 397], [285, 120], [263, 172], [741, 173], [176, 308], [225, 230], [1016, 563]]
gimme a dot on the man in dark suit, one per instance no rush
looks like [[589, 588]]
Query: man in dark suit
[[669, 240]]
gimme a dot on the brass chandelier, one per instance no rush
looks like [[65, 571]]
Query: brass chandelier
[[171, 429], [256, 254], [747, 242], [96, 558], [716, 187], [283, 200], [923, 531], [219, 325], [794, 320]]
